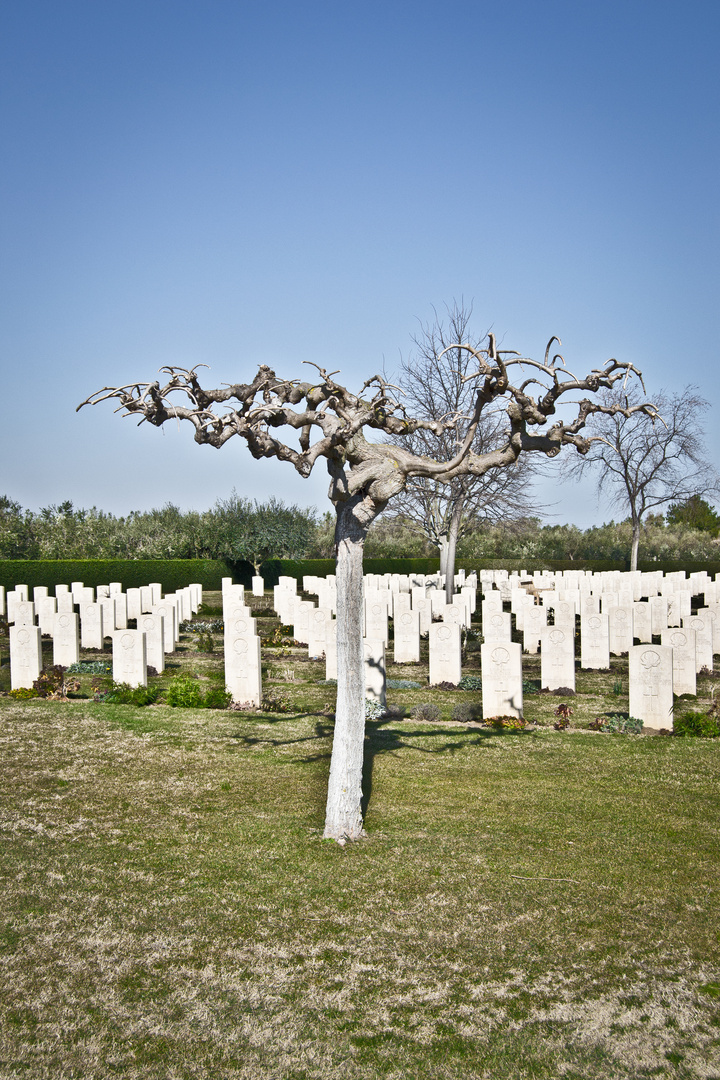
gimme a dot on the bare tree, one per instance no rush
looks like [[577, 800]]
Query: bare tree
[[330, 422], [437, 382], [643, 462]]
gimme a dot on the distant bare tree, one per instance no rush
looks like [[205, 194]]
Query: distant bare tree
[[643, 462], [437, 381], [324, 420]]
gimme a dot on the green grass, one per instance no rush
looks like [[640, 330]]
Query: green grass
[[541, 904]]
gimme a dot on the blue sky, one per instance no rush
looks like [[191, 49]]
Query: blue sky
[[234, 184]]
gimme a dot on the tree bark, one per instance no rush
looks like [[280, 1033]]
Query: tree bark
[[635, 545], [443, 548], [452, 539], [343, 815]]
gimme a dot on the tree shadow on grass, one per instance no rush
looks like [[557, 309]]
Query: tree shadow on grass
[[380, 738]]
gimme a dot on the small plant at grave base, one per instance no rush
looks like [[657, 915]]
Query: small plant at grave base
[[617, 688], [23, 693], [329, 682], [373, 709], [444, 686], [275, 700], [53, 683], [698, 725], [466, 712], [124, 694], [509, 723], [402, 684], [217, 698], [563, 713], [280, 636], [563, 691], [205, 643], [426, 711], [185, 692], [617, 724], [91, 667], [531, 686], [470, 682]]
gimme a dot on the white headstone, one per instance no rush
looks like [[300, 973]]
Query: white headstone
[[152, 626], [651, 685], [258, 586], [702, 626], [502, 693], [168, 610], [534, 622], [46, 615], [129, 657], [24, 613], [407, 637], [376, 621], [319, 617], [375, 680], [444, 654], [134, 610], [557, 658], [242, 668], [91, 626], [594, 641], [331, 649], [25, 655], [66, 646], [682, 643], [621, 628], [642, 622], [497, 626]]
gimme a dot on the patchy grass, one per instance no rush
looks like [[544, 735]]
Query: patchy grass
[[527, 905], [535, 904]]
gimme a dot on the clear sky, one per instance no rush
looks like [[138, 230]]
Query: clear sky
[[236, 183]]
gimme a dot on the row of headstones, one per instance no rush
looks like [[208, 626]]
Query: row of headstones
[[100, 615], [651, 684], [411, 608]]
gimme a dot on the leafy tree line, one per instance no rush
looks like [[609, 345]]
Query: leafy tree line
[[233, 529], [237, 528]]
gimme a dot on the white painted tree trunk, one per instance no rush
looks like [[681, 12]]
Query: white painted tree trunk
[[451, 547], [343, 816], [635, 545]]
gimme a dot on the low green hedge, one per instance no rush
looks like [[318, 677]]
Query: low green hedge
[[171, 573]]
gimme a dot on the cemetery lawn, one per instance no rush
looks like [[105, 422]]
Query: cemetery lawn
[[534, 904]]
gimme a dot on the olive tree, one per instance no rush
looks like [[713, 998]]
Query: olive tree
[[303, 422]]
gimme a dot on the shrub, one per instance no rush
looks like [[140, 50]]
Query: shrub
[[531, 686], [512, 723], [697, 725], [563, 713], [217, 698], [373, 709], [205, 643], [184, 692], [52, 682], [124, 694], [466, 712], [22, 693], [91, 667], [426, 711], [470, 682], [275, 700], [618, 724]]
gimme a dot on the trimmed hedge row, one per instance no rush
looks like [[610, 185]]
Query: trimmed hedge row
[[177, 573], [171, 573]]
